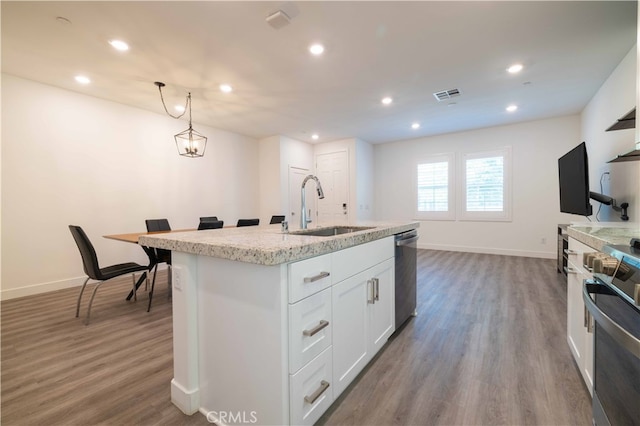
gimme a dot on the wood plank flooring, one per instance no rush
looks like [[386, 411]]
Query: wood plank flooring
[[488, 347]]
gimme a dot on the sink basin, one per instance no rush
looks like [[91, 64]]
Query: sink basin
[[332, 231]]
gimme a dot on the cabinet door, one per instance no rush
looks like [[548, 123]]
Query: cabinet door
[[575, 315], [382, 311], [350, 316]]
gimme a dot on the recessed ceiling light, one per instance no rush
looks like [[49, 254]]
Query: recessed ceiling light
[[82, 79], [515, 68], [226, 88], [316, 49], [512, 108], [315, 136], [119, 45], [179, 108], [415, 126], [387, 100]]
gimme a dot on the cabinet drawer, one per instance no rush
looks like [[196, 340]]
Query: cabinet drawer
[[309, 329], [309, 276], [310, 390], [348, 262]]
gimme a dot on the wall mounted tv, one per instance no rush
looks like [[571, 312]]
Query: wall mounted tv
[[573, 168]]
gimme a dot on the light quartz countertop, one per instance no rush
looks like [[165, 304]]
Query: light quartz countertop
[[267, 244], [598, 235]]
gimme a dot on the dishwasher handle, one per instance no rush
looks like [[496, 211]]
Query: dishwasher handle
[[406, 241]]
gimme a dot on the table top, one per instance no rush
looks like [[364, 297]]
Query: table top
[[134, 236]]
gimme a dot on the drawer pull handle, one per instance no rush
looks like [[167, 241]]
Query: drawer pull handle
[[372, 300], [570, 252], [376, 283], [316, 329], [312, 398], [320, 276]]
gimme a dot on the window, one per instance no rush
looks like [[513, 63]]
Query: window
[[435, 188], [486, 186]]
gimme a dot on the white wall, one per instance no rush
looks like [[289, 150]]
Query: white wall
[[615, 98], [68, 159], [536, 147], [277, 154], [364, 181]]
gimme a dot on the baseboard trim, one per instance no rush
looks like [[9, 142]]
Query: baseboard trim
[[488, 250], [13, 293], [188, 401], [30, 290]]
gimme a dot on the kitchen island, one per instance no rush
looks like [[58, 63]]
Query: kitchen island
[[271, 327]]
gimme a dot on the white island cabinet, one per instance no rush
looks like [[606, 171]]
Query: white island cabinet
[[276, 343]]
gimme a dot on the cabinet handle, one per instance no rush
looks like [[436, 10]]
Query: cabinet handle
[[571, 271], [570, 252], [316, 329], [371, 300], [312, 398], [320, 276], [376, 283]]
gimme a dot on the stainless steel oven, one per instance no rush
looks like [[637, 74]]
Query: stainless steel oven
[[613, 300]]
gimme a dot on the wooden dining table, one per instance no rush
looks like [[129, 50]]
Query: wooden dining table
[[133, 238]]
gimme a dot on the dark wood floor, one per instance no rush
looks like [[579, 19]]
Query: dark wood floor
[[488, 347]]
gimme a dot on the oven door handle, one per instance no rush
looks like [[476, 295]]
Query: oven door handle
[[622, 336]]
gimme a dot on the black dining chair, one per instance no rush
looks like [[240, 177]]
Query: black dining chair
[[95, 272], [157, 255], [248, 222], [276, 219], [210, 224]]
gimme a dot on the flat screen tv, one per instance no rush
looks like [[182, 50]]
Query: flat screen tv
[[573, 168]]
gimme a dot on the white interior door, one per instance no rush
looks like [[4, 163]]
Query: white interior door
[[333, 171], [296, 176]]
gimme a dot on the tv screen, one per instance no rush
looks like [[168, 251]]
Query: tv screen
[[573, 168]]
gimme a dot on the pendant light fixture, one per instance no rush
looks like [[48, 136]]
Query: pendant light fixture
[[189, 142]]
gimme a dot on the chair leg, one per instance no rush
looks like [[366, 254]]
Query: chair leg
[[135, 295], [153, 284], [137, 286], [80, 297], [86, 322]]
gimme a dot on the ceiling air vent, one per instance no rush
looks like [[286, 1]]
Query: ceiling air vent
[[446, 94]]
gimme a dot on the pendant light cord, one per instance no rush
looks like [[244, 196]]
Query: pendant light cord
[[187, 103]]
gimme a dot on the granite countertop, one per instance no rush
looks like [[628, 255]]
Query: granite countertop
[[597, 235], [267, 245]]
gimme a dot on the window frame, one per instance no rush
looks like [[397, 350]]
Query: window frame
[[450, 213], [501, 216]]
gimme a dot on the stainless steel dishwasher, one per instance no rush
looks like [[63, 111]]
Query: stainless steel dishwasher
[[406, 294]]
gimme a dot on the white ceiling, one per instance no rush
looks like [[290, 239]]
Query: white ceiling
[[406, 50]]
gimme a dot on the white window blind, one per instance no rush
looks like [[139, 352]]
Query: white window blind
[[485, 184], [433, 187], [435, 179]]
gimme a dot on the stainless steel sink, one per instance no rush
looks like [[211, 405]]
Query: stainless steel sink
[[332, 231]]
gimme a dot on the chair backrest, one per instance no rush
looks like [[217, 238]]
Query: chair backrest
[[87, 252], [210, 224], [208, 218], [276, 219], [155, 225], [248, 222]]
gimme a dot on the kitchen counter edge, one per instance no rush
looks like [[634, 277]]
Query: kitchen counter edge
[[267, 245]]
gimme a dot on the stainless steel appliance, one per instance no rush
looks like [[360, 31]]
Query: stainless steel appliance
[[406, 293], [613, 300]]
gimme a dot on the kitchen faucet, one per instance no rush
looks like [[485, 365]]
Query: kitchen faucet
[[303, 202]]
